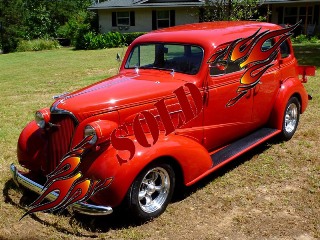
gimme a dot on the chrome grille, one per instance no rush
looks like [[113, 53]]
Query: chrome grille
[[59, 139]]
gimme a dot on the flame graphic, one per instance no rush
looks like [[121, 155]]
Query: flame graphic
[[249, 54], [69, 184]]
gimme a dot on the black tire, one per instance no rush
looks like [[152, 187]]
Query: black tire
[[154, 184], [290, 119]]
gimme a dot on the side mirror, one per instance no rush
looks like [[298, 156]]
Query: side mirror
[[118, 57]]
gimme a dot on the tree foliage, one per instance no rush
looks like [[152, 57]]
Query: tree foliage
[[32, 19], [223, 10]]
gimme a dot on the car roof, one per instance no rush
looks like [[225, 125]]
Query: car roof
[[207, 34]]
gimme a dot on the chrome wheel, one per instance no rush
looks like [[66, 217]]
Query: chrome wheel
[[154, 189], [291, 118]]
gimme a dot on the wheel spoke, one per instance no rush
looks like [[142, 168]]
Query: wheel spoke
[[142, 195], [154, 176], [148, 199], [158, 188]]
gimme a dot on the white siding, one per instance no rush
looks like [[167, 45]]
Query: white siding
[[143, 19]]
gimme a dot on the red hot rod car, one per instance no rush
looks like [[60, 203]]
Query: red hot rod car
[[187, 100]]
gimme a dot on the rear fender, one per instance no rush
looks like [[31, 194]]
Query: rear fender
[[192, 157], [288, 88]]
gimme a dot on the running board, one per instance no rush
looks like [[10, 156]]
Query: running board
[[242, 145]]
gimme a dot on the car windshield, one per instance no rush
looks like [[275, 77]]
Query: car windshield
[[174, 57]]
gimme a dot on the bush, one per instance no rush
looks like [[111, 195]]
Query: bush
[[305, 39], [130, 37], [91, 40], [314, 39], [300, 39], [37, 45]]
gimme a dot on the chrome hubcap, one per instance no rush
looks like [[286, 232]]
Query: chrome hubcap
[[154, 189], [291, 117]]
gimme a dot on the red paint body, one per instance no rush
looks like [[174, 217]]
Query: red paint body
[[119, 99]]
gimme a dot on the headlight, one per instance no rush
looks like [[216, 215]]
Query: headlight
[[42, 117], [90, 131], [100, 131]]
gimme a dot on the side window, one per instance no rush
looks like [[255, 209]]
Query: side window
[[267, 44], [284, 49], [224, 67]]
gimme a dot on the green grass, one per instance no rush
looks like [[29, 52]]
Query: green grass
[[272, 192]]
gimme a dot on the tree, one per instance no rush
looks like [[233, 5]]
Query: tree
[[11, 19], [31, 19], [222, 10]]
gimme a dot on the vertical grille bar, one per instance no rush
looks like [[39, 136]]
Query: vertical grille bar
[[60, 136]]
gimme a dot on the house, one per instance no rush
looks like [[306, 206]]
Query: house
[[292, 11], [145, 15]]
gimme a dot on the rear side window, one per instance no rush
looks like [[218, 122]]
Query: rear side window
[[285, 49], [267, 44]]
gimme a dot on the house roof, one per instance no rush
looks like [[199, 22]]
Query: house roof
[[124, 4], [128, 4], [289, 1]]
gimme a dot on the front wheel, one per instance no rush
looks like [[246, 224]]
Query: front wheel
[[152, 191], [290, 118]]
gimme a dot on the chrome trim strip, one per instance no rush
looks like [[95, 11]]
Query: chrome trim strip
[[84, 208], [60, 95], [55, 110]]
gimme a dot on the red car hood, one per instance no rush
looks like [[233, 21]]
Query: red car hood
[[119, 92]]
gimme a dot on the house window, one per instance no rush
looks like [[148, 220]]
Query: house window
[[163, 19], [120, 19], [123, 19], [293, 15]]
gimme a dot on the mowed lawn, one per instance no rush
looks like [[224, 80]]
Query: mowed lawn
[[273, 192]]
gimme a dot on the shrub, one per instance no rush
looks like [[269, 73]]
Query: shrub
[[300, 39], [92, 40], [314, 39], [37, 45], [130, 37]]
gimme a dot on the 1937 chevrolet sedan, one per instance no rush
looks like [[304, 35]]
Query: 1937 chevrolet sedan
[[187, 100]]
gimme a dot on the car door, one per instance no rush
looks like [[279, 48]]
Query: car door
[[264, 93], [225, 123]]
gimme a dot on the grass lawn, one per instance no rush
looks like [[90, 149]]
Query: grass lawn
[[273, 192]]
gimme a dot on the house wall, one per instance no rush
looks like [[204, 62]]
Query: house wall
[[143, 19]]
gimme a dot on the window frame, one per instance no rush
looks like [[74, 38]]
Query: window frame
[[163, 19], [299, 15], [117, 19]]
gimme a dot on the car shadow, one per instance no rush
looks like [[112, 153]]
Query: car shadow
[[95, 224]]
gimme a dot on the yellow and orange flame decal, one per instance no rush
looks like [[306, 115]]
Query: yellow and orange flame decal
[[248, 53], [68, 183]]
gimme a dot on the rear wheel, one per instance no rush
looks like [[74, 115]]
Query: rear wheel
[[290, 118], [152, 191]]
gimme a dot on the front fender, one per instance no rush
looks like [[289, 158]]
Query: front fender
[[192, 157], [290, 87], [31, 147]]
